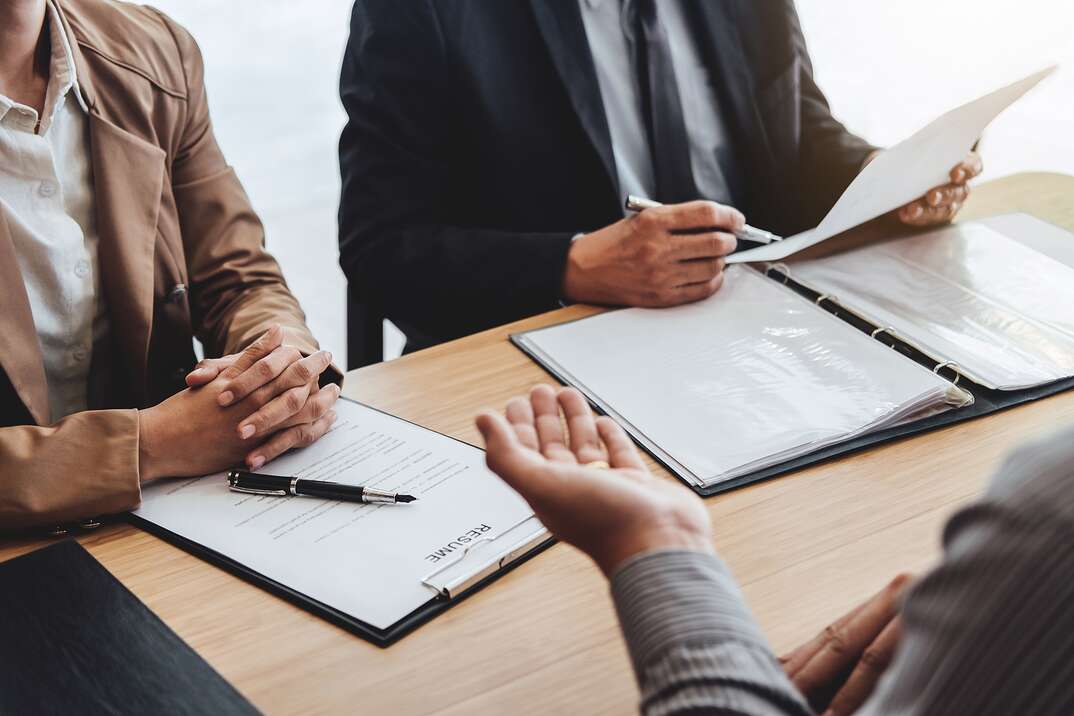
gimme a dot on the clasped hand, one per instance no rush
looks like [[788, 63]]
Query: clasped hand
[[249, 407]]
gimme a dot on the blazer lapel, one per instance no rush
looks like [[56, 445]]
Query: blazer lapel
[[561, 25], [20, 350], [128, 175]]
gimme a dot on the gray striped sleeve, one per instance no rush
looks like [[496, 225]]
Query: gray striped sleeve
[[694, 644], [991, 630]]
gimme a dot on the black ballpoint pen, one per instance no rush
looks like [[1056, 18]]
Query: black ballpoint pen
[[256, 484]]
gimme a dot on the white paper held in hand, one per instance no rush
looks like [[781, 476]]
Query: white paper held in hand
[[904, 172]]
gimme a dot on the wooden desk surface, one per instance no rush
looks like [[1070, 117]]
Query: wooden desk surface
[[544, 638]]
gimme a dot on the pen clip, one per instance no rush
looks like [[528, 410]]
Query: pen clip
[[251, 491]]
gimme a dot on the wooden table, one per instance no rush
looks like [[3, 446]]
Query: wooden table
[[544, 638]]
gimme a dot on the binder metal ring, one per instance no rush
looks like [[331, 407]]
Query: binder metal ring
[[954, 369], [826, 297], [782, 268]]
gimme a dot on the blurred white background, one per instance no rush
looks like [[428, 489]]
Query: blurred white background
[[272, 68]]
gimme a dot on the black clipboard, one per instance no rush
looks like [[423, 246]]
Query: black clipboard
[[381, 637]]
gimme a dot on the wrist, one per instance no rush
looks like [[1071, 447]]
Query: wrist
[[573, 270], [152, 463], [656, 539]]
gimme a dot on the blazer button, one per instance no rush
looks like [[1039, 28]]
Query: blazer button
[[179, 375], [177, 294], [58, 531], [91, 524]]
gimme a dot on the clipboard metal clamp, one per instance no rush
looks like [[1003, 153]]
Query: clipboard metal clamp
[[449, 580]]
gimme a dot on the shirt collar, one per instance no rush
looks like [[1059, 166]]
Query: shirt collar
[[62, 75]]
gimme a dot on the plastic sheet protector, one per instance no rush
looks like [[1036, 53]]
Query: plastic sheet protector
[[752, 377], [966, 294]]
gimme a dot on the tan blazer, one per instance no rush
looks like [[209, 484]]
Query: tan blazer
[[181, 254]]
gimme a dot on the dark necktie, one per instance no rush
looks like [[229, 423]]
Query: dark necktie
[[662, 107]]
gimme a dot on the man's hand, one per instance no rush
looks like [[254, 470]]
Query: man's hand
[[190, 434], [663, 256], [839, 668], [610, 514], [941, 204]]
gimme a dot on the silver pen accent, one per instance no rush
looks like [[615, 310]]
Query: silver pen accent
[[746, 233], [378, 496]]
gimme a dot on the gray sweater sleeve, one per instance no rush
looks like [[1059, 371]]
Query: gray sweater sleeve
[[990, 631], [694, 644]]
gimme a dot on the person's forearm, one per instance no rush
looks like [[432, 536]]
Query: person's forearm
[[692, 640], [86, 465], [450, 281]]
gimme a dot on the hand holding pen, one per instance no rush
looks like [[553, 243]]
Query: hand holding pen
[[663, 256], [746, 233]]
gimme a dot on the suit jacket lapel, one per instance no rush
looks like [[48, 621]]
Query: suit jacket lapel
[[20, 350], [560, 22], [719, 26]]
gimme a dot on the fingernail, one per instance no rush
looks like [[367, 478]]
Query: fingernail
[[225, 398], [916, 211], [256, 462], [329, 356], [246, 431], [960, 175]]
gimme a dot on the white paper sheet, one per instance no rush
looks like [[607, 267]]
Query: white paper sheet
[[964, 293], [749, 378], [365, 560], [904, 172]]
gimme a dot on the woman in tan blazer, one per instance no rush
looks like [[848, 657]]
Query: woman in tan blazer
[[123, 235]]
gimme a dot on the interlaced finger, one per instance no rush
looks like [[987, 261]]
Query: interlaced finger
[[298, 436], [268, 342], [276, 412], [261, 373]]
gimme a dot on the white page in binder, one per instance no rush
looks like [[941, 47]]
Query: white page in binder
[[965, 293], [749, 378]]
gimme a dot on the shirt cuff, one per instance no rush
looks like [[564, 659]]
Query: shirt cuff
[[694, 644], [673, 598]]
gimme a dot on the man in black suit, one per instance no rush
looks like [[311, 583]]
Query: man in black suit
[[490, 146]]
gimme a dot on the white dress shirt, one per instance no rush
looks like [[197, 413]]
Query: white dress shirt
[[610, 33], [47, 201]]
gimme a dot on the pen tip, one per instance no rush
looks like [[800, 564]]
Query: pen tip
[[405, 498]]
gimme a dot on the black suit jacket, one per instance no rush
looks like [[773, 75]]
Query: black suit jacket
[[477, 146]]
